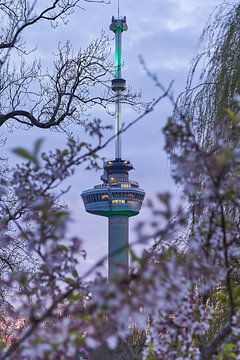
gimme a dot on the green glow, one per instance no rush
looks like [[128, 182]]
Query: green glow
[[118, 55], [117, 63], [128, 213], [119, 27]]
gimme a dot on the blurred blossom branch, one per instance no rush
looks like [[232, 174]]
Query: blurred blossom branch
[[170, 278], [182, 298]]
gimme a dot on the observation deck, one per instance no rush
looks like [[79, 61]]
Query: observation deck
[[117, 195]]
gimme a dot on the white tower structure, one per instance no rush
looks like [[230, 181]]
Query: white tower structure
[[118, 198]]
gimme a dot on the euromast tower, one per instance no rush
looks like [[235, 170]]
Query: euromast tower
[[118, 198]]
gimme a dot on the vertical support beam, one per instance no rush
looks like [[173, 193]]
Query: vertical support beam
[[118, 246]]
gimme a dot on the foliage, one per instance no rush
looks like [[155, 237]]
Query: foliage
[[182, 299], [168, 297], [214, 78]]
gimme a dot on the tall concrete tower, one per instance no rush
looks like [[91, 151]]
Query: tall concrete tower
[[117, 198]]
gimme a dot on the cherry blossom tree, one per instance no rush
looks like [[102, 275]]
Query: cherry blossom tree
[[182, 298]]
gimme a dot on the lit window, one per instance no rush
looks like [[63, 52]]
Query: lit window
[[125, 185], [132, 202], [109, 163], [118, 201], [104, 196]]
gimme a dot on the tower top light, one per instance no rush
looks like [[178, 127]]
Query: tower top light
[[118, 24]]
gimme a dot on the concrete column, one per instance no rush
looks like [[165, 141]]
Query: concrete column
[[117, 246]]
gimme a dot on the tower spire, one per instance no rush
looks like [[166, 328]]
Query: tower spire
[[118, 9], [118, 84]]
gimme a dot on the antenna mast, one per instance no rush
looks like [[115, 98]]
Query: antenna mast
[[118, 84]]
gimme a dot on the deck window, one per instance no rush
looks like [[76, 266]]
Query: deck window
[[104, 197]]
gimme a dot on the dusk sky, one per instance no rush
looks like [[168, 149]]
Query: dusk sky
[[165, 33]]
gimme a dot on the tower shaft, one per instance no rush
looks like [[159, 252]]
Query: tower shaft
[[118, 235]]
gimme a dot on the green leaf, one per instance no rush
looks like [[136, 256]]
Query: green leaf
[[55, 346], [79, 340], [228, 347], [70, 281], [24, 154], [65, 152], [237, 301], [75, 274], [232, 355], [61, 214], [236, 290], [231, 114], [224, 156], [75, 297], [63, 248], [222, 297]]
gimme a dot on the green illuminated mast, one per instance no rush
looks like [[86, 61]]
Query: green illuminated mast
[[118, 84]]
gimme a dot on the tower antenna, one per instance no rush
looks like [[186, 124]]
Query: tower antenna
[[118, 26]]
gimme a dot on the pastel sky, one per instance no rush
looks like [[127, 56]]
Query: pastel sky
[[165, 33]]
